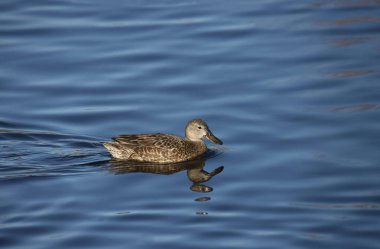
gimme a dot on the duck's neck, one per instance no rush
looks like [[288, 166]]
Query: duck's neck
[[195, 140], [199, 146]]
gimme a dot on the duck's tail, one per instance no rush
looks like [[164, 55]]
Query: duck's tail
[[117, 150]]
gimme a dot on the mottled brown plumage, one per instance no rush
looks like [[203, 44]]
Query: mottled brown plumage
[[163, 148]]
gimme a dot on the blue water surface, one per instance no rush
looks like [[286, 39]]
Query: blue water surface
[[291, 87]]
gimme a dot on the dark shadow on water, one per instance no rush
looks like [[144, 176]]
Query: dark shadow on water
[[195, 171]]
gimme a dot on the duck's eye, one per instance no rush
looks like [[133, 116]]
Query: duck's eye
[[199, 127]]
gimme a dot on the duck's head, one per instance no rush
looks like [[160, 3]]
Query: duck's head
[[197, 129]]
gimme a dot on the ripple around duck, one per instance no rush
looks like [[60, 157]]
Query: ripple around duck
[[36, 153]]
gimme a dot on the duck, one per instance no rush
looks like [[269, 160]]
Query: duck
[[161, 147]]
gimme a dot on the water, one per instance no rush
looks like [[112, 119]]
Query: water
[[290, 87]]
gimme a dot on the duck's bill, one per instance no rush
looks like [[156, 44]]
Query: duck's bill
[[213, 139]]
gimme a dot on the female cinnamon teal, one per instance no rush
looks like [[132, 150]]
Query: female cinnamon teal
[[163, 148]]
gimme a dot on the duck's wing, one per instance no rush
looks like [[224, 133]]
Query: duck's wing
[[152, 147], [142, 140]]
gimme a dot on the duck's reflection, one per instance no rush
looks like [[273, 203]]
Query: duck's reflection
[[195, 172]]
